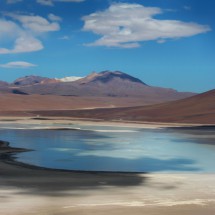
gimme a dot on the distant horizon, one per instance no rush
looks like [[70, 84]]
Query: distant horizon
[[163, 43]]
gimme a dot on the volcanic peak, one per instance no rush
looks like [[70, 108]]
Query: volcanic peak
[[107, 76]]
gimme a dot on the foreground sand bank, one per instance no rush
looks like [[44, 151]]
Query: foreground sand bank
[[25, 190]]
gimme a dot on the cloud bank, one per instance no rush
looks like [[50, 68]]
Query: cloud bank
[[17, 65], [51, 2], [126, 25], [24, 31]]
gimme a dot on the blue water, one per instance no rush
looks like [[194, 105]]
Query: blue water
[[116, 149]]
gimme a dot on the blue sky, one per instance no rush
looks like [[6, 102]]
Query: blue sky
[[167, 43]]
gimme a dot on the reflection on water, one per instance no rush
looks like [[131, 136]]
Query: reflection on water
[[117, 149]]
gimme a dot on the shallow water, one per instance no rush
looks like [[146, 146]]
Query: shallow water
[[104, 148]]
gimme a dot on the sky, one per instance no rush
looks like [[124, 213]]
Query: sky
[[166, 43]]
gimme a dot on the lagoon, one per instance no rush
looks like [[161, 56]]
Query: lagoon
[[109, 148]]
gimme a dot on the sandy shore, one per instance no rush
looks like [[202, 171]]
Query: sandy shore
[[26, 190], [54, 121]]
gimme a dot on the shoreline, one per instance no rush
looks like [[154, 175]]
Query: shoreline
[[30, 190], [96, 122]]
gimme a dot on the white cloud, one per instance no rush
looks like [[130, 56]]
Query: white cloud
[[8, 29], [25, 35], [51, 2], [17, 65], [36, 24], [25, 43], [45, 2], [13, 1], [54, 18], [126, 25]]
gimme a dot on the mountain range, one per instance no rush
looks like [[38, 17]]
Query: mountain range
[[103, 84], [106, 96]]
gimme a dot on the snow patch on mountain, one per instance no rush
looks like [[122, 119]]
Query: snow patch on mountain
[[69, 79]]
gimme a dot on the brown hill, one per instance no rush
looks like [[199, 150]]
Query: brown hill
[[32, 80], [196, 109], [18, 102], [3, 84], [4, 87]]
